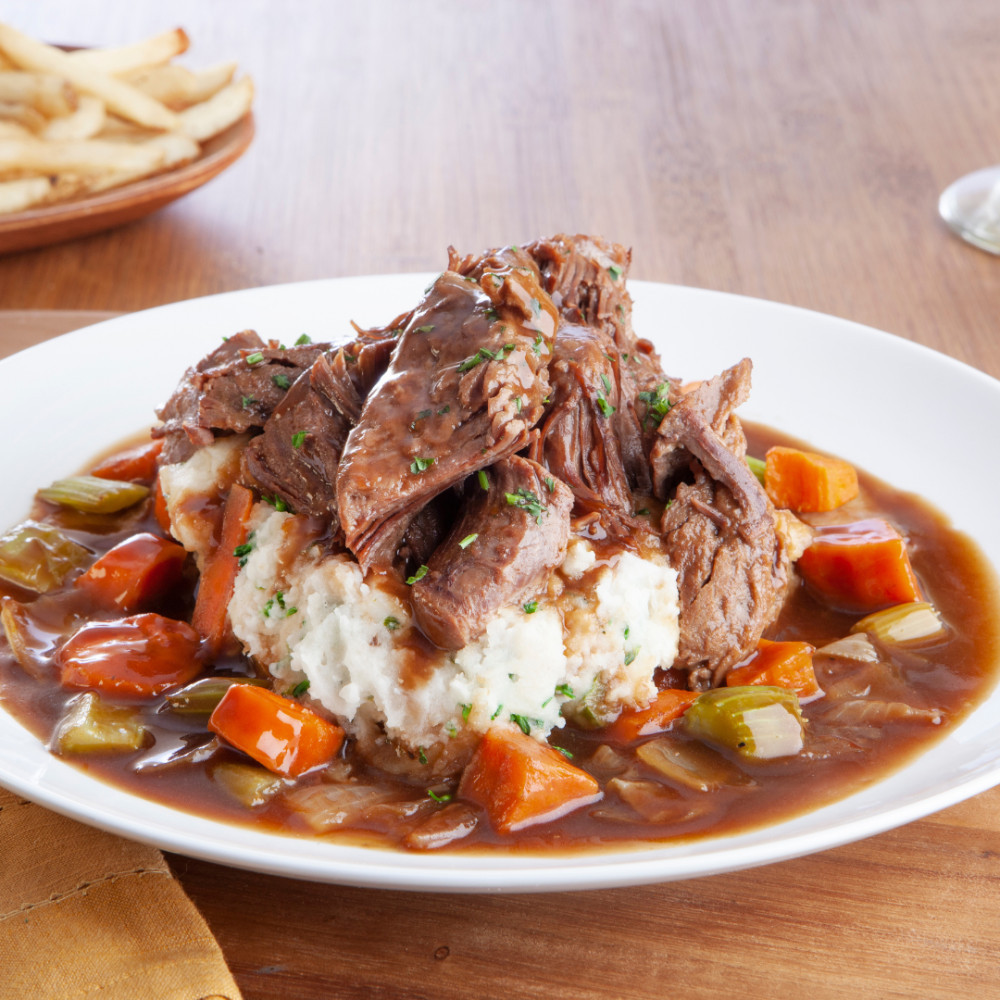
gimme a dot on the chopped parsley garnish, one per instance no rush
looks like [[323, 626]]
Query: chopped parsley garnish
[[615, 271], [266, 610], [421, 756], [522, 722], [426, 328], [484, 480], [527, 501], [537, 345], [419, 465], [242, 552], [518, 404], [565, 690], [279, 596], [466, 709], [496, 713], [444, 410], [248, 401], [304, 339], [256, 358], [566, 753], [419, 575], [446, 797], [298, 439], [607, 383], [550, 484], [391, 623], [491, 314], [468, 540], [483, 354], [300, 689], [530, 607], [536, 307], [642, 512], [604, 406], [281, 381], [276, 502], [630, 655], [657, 402]]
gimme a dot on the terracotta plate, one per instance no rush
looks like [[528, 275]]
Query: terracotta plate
[[67, 220]]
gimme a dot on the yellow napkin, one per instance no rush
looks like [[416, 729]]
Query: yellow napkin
[[84, 913]]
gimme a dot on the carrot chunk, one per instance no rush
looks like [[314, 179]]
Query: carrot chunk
[[211, 609], [520, 782], [861, 566], [778, 664], [136, 464], [286, 737], [137, 657], [668, 705], [804, 481], [135, 573]]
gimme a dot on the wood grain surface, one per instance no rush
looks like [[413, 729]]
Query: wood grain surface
[[787, 150]]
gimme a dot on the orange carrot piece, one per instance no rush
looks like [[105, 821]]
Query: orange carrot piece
[[804, 481], [286, 737], [861, 566], [137, 657], [779, 664], [520, 782], [670, 704], [136, 464], [135, 573], [211, 608]]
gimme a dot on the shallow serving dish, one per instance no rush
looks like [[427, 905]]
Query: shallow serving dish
[[844, 388], [68, 220]]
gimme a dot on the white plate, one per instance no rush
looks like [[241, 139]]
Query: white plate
[[891, 407]]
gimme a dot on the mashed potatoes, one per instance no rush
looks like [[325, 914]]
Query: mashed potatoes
[[588, 643]]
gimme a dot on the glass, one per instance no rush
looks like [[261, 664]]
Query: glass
[[971, 206]]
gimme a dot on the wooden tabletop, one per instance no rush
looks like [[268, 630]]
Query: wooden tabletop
[[791, 151]]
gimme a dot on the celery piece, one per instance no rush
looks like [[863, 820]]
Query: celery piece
[[758, 722], [247, 783], [758, 467], [200, 697], [903, 624], [93, 495], [32, 647], [39, 557], [590, 711], [94, 726]]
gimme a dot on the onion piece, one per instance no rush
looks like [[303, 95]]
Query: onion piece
[[692, 765]]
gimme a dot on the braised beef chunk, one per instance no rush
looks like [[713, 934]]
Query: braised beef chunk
[[508, 539], [354, 369], [232, 390], [463, 389], [578, 442], [719, 529]]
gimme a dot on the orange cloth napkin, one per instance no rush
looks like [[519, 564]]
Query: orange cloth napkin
[[84, 913]]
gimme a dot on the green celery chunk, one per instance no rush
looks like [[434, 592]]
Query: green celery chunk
[[756, 721], [200, 697], [94, 726], [247, 783], [39, 557], [758, 467], [590, 711], [93, 495]]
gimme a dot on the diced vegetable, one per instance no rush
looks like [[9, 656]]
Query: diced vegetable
[[444, 826], [38, 557], [902, 625], [93, 726], [519, 781], [248, 784], [759, 723], [758, 467], [327, 807], [31, 645], [93, 495], [590, 711], [779, 664], [200, 697], [856, 648], [655, 802], [876, 713], [137, 657], [136, 464], [861, 566], [669, 705], [135, 573], [285, 736], [211, 610], [692, 765], [804, 481]]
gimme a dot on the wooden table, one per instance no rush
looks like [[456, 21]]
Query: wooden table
[[789, 151]]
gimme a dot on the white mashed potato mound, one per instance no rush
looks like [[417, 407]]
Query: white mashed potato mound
[[307, 616]]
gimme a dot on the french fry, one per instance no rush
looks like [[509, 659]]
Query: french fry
[[19, 157], [48, 94], [19, 195], [84, 123], [173, 151], [178, 87], [120, 97], [228, 106], [13, 130], [124, 59], [29, 118]]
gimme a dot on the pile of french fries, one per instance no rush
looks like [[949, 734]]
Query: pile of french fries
[[76, 123]]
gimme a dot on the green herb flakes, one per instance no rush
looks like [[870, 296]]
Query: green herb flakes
[[419, 575], [391, 623], [468, 540], [528, 502], [281, 381], [298, 439], [419, 465]]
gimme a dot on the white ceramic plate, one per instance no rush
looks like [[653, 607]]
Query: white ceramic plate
[[891, 407]]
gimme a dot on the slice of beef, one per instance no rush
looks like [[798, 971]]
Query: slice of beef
[[719, 529], [232, 390], [501, 550], [586, 278], [296, 457], [578, 440], [464, 388]]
